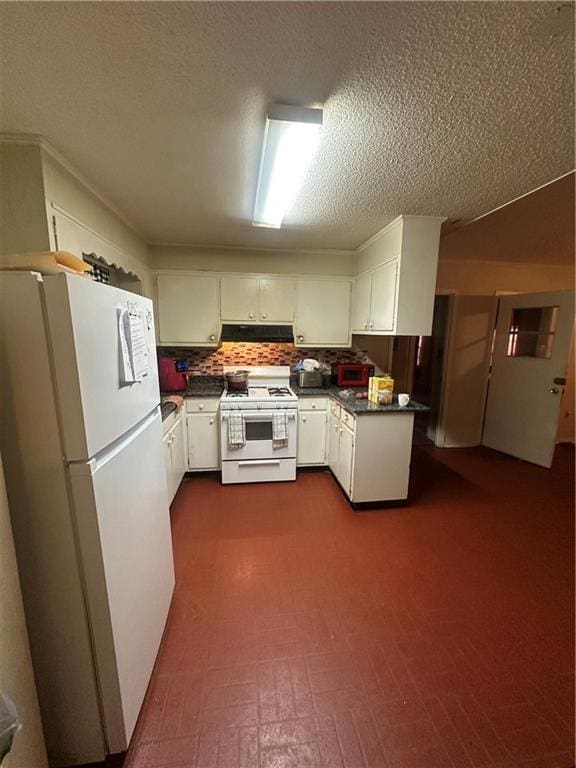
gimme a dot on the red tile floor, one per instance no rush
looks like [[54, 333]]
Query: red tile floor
[[305, 634]]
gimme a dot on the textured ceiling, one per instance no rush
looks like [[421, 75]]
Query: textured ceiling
[[430, 108]]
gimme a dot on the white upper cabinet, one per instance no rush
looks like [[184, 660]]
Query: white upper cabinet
[[188, 310], [397, 271], [361, 312], [322, 316], [383, 297], [239, 298], [257, 299], [276, 299], [374, 299]]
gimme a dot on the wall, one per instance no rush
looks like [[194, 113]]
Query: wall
[[338, 263], [489, 277], [524, 247], [536, 229], [210, 362], [63, 189], [23, 222], [16, 676], [471, 324]]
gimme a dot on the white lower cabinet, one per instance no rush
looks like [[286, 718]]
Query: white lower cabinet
[[370, 455], [312, 423], [175, 456], [345, 459], [333, 442], [203, 434]]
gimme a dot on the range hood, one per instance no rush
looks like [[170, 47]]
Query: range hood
[[255, 333]]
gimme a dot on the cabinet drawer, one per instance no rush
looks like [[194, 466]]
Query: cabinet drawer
[[312, 404], [335, 409], [202, 405], [347, 419]]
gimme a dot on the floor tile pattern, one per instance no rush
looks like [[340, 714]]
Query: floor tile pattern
[[306, 635]]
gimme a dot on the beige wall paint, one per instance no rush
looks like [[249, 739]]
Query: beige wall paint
[[525, 247], [536, 229], [23, 222], [215, 259], [486, 277], [16, 675], [471, 323], [67, 192]]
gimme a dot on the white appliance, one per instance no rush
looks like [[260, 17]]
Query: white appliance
[[84, 465], [260, 459]]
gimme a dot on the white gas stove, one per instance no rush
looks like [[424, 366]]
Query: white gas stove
[[258, 427]]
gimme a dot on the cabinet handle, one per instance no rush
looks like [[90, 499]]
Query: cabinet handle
[[201, 407], [341, 430], [212, 337], [251, 316], [370, 325], [366, 325], [303, 418], [300, 338], [212, 421], [264, 316]]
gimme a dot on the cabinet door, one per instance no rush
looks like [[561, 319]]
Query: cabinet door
[[333, 442], [167, 443], [322, 313], [188, 309], [239, 298], [276, 299], [345, 459], [179, 452], [383, 297], [361, 311], [203, 442], [312, 437]]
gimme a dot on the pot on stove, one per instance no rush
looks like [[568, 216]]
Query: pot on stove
[[237, 380]]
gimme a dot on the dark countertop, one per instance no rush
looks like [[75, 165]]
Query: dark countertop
[[166, 409], [353, 405], [213, 386], [201, 386]]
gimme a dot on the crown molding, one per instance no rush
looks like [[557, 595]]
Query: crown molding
[[255, 249], [34, 139], [392, 225]]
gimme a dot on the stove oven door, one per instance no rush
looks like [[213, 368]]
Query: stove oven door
[[259, 437]]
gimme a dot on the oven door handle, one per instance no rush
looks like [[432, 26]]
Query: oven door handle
[[261, 416], [258, 463]]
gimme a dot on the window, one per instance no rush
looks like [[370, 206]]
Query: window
[[532, 332]]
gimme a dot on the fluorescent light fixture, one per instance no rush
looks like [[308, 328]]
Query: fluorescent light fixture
[[290, 140]]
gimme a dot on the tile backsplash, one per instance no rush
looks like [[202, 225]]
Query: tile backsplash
[[210, 361]]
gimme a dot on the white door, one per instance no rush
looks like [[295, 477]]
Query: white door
[[276, 300], [188, 309], [533, 333], [122, 518], [345, 459], [361, 312], [322, 313], [383, 297], [239, 298], [312, 437], [203, 432], [96, 407]]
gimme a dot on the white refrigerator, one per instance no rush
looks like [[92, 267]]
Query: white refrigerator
[[82, 449]]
